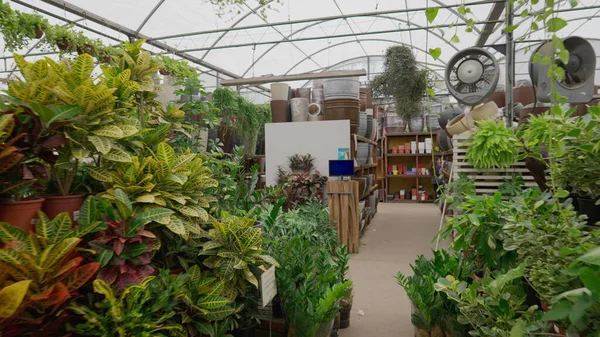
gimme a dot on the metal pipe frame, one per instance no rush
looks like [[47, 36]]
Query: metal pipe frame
[[510, 65], [318, 23], [149, 15], [325, 18]]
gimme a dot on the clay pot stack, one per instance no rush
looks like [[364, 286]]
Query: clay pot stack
[[342, 101], [280, 105]]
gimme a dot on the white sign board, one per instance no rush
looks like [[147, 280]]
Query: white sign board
[[268, 286]]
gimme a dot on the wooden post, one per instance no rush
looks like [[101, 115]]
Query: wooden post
[[343, 198]]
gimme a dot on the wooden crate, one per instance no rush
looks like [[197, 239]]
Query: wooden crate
[[486, 181], [343, 198]]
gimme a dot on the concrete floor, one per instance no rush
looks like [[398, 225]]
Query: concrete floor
[[398, 233]]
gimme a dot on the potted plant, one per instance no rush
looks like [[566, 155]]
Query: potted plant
[[493, 145], [19, 28], [342, 260], [245, 321], [301, 163], [63, 37], [34, 24], [405, 82]]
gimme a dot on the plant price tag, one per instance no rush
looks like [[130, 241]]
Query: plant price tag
[[268, 286]]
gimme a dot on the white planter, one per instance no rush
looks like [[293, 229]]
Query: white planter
[[413, 147], [280, 91], [299, 109]]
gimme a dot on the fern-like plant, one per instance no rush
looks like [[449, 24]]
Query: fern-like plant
[[493, 145]]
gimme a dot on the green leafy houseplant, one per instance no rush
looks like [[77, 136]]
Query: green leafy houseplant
[[301, 163], [580, 307], [434, 311], [164, 180], [479, 232], [179, 69], [403, 80], [308, 283], [535, 219], [493, 306], [493, 145], [49, 259], [457, 190], [19, 28], [234, 247]]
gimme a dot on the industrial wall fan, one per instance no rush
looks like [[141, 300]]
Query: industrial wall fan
[[472, 75], [578, 84]]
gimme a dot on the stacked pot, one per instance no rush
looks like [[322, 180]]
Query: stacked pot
[[280, 105], [342, 100], [317, 103]]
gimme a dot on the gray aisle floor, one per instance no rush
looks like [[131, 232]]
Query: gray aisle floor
[[398, 233]]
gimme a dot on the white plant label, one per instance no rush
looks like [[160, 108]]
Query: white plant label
[[268, 286], [76, 216]]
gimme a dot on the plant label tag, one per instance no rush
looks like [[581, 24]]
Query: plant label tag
[[76, 216], [268, 286]]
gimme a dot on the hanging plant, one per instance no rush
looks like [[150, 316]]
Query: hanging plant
[[403, 80], [19, 28]]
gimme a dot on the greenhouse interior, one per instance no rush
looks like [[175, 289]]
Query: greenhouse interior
[[287, 168]]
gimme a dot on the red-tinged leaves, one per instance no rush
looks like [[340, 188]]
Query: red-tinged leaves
[[81, 275], [53, 141], [118, 247], [123, 269], [43, 295], [108, 275], [69, 266], [58, 296]]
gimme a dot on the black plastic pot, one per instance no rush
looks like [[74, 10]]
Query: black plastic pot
[[278, 311], [589, 208], [245, 332]]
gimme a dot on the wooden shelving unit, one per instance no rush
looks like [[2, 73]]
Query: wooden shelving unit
[[408, 182]]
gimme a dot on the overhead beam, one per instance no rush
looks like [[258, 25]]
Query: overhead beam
[[295, 77], [69, 7], [488, 29], [324, 18]]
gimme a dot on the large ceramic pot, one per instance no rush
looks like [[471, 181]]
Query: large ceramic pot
[[416, 124], [498, 97], [299, 109], [279, 111], [280, 91], [21, 213], [336, 88], [302, 93], [56, 204], [524, 95], [444, 141], [340, 109], [588, 207], [448, 115]]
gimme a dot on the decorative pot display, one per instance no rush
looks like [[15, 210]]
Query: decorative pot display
[[299, 109], [337, 88], [448, 115], [466, 121], [302, 93], [280, 91], [56, 204], [279, 111], [416, 124], [432, 122], [21, 213], [314, 113], [362, 124]]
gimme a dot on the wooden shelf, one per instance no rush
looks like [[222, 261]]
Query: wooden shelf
[[407, 134], [402, 201], [364, 167], [365, 140], [407, 176], [411, 155]]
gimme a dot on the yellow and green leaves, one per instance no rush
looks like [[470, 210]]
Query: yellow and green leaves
[[11, 298]]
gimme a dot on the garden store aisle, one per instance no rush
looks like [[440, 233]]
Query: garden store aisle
[[398, 233]]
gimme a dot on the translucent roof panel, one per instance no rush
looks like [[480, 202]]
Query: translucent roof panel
[[293, 36]]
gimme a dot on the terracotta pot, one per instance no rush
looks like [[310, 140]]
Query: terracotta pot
[[56, 204], [524, 95], [87, 48], [38, 32], [340, 109], [64, 44], [164, 72], [498, 97], [279, 111], [21, 213]]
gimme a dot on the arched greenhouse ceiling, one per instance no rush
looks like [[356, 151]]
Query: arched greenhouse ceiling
[[296, 36]]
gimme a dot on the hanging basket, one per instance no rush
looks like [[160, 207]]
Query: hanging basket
[[64, 44]]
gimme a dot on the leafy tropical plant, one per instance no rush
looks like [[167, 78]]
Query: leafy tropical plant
[[493, 145], [49, 259], [403, 80], [179, 69], [164, 180], [493, 306], [308, 283], [234, 247], [457, 190], [479, 231], [536, 219], [434, 310], [301, 163], [142, 309], [580, 306], [512, 186], [125, 248]]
